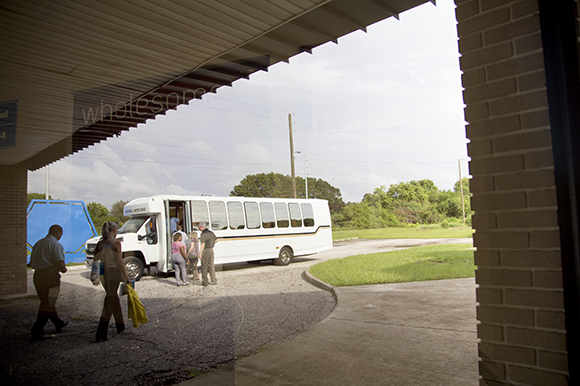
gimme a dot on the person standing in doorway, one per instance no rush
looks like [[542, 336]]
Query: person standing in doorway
[[174, 219], [207, 240], [47, 259]]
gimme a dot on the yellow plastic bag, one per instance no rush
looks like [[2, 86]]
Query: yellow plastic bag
[[136, 309]]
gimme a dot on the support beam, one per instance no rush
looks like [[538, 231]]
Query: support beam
[[558, 24]]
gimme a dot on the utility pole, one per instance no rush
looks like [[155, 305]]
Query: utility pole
[[306, 175], [292, 156], [461, 186], [46, 195]]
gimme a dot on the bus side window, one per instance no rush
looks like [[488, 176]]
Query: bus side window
[[308, 215], [198, 214], [268, 219], [236, 215], [252, 215], [219, 218], [295, 215], [282, 215]]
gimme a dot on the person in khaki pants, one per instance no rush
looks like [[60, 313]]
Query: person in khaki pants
[[47, 259], [206, 255]]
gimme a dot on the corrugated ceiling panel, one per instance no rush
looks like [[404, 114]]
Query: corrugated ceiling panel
[[69, 58]]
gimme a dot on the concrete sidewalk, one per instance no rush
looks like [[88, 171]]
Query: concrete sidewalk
[[421, 333]]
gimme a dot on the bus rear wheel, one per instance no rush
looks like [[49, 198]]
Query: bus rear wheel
[[285, 257], [134, 267]]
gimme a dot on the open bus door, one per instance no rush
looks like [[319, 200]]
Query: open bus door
[[166, 261], [174, 210]]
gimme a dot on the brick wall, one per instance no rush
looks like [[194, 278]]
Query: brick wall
[[13, 188], [520, 291]]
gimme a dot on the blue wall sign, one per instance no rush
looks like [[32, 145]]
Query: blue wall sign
[[72, 216]]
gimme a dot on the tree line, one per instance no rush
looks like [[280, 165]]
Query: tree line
[[100, 214], [412, 202]]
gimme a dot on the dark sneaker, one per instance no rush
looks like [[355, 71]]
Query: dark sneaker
[[39, 338], [63, 325]]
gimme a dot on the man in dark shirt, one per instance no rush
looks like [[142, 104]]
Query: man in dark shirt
[[207, 241], [47, 259]]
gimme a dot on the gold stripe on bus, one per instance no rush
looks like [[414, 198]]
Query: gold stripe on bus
[[273, 236]]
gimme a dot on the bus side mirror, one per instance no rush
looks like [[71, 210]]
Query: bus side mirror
[[151, 236]]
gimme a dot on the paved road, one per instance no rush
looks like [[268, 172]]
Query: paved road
[[191, 329]]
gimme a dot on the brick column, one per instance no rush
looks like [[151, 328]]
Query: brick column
[[520, 292], [13, 188]]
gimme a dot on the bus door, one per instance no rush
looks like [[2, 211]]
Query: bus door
[[186, 220], [164, 264], [175, 212]]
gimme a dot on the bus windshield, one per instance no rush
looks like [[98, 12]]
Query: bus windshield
[[133, 225]]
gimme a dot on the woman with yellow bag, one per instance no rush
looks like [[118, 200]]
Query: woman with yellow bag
[[108, 251]]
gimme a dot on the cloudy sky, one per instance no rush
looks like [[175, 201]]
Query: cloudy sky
[[378, 108]]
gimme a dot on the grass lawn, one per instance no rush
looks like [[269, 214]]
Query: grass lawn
[[433, 262], [421, 232]]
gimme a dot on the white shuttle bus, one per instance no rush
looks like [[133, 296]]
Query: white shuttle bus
[[248, 229]]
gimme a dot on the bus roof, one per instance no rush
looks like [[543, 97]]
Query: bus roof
[[154, 204]]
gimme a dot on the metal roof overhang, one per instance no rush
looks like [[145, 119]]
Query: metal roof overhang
[[76, 72]]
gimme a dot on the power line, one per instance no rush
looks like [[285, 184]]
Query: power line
[[205, 164], [356, 133]]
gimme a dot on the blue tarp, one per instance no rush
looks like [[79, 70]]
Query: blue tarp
[[72, 216]]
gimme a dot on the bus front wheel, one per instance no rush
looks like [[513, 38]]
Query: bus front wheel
[[285, 257], [134, 267]]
